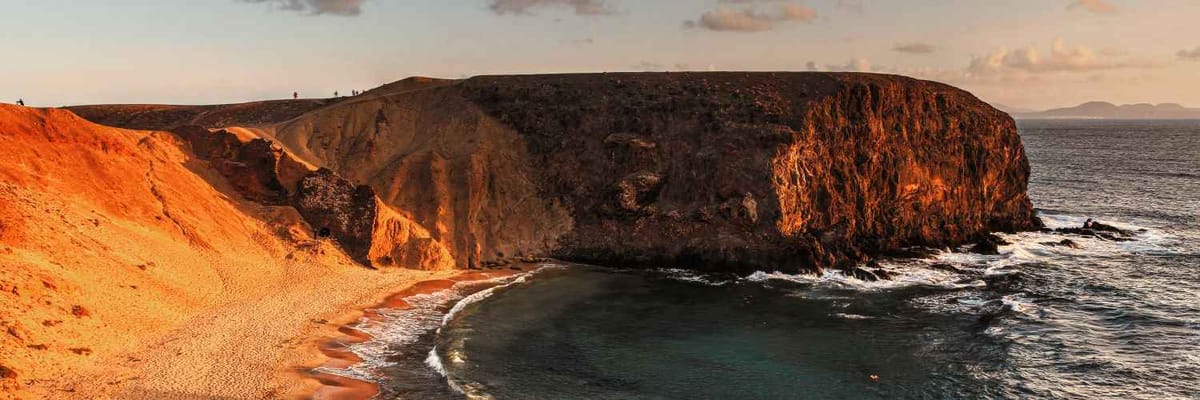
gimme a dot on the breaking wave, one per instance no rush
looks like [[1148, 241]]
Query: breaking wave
[[397, 334]]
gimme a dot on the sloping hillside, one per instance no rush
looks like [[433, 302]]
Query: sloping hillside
[[121, 251], [167, 117]]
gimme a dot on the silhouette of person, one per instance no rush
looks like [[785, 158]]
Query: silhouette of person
[[295, 95], [21, 102], [335, 94]]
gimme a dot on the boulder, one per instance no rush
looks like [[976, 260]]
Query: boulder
[[988, 245]]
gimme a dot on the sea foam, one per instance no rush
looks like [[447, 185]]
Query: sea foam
[[400, 329]]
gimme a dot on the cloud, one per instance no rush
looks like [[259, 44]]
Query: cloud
[[1189, 55], [854, 65], [1061, 58], [1093, 6], [858, 64], [854, 6], [750, 19], [526, 7], [914, 48], [582, 42], [647, 66], [1026, 66], [345, 8]]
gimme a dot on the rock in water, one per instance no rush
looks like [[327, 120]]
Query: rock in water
[[720, 171], [1063, 243], [989, 245]]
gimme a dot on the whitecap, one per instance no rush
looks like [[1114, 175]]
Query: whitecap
[[903, 275], [403, 327], [851, 316], [692, 276], [1020, 304]]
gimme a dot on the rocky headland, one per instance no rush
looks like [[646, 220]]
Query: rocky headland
[[717, 171], [151, 222]]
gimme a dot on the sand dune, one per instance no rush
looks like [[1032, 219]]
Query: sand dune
[[130, 269]]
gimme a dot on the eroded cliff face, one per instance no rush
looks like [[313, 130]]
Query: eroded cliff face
[[329, 206], [747, 171], [727, 171], [435, 157], [724, 171]]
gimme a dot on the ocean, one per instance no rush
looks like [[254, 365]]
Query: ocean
[[1104, 320]]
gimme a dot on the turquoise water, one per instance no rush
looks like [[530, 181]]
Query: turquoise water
[[589, 333], [1105, 320]]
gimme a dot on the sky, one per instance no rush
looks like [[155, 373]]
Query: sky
[[1032, 54]]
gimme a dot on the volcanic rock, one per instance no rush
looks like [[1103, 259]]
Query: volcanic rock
[[988, 245], [369, 231], [1063, 243], [366, 229], [778, 171]]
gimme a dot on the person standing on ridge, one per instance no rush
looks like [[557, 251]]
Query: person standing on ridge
[[295, 95], [335, 94]]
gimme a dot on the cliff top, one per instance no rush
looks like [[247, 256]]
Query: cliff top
[[258, 113]]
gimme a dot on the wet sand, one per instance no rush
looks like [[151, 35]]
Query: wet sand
[[335, 350]]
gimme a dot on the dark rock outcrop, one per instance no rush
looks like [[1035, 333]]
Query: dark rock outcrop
[[748, 171], [988, 244], [719, 171], [1098, 230], [337, 208], [333, 207], [1063, 243]]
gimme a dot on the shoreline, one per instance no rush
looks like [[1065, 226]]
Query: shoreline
[[332, 349]]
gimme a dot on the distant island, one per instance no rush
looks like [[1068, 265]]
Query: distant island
[[1106, 110]]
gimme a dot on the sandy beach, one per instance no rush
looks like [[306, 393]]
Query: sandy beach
[[335, 349], [248, 348], [131, 270]]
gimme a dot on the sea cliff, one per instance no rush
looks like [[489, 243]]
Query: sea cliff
[[719, 171]]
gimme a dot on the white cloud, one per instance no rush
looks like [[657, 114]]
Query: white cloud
[[914, 48], [750, 19], [345, 8], [857, 64], [854, 6], [526, 7], [1190, 55], [1060, 58]]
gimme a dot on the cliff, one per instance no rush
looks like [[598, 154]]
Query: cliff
[[167, 117], [110, 237], [364, 227], [724, 171]]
